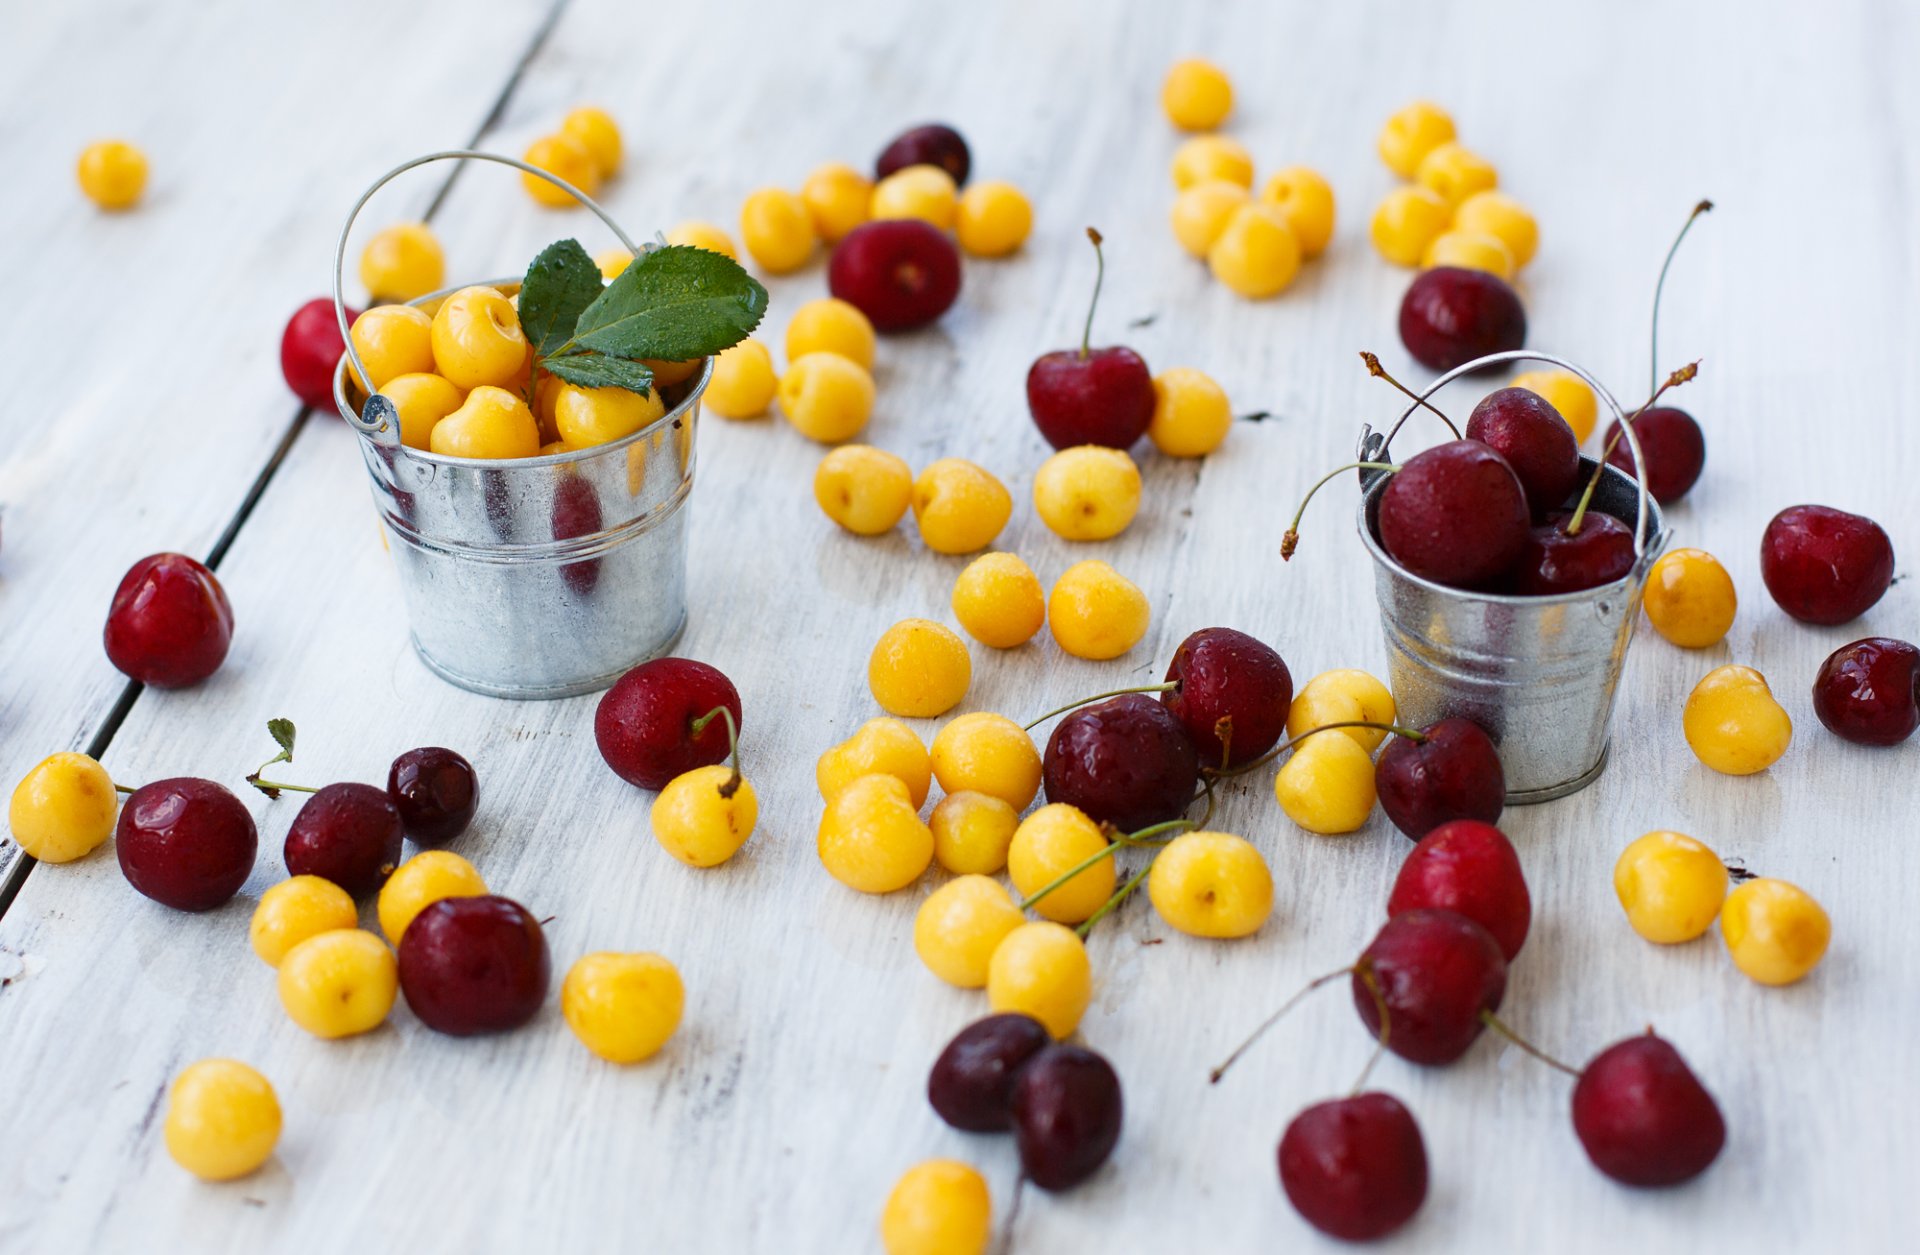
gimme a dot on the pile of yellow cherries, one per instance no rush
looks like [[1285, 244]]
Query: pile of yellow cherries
[[1252, 245], [1451, 213]]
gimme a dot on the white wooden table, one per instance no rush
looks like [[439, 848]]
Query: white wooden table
[[147, 410]]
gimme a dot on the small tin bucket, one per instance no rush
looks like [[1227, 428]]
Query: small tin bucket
[[535, 577], [1538, 673]]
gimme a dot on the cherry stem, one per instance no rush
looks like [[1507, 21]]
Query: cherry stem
[[1099, 277], [121, 788], [1674, 380], [1112, 904], [1290, 541], [1168, 687], [699, 725], [1364, 969], [1499, 1026], [1013, 1213], [1120, 841], [273, 788], [1653, 358], [1418, 738], [1378, 371], [1213, 1077]]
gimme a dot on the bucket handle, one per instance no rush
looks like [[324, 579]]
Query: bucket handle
[[379, 415], [1373, 447]]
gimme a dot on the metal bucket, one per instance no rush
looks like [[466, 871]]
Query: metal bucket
[[1538, 673], [533, 577]]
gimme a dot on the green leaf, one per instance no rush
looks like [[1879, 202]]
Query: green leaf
[[596, 370], [281, 730], [561, 282], [672, 304]]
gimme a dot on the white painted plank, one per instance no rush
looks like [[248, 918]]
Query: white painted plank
[[791, 1099], [147, 344]]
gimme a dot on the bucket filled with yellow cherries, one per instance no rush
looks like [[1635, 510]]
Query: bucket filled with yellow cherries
[[531, 446]]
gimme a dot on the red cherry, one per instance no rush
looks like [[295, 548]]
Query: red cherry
[[474, 965], [348, 833], [1452, 315], [186, 843], [1452, 773], [1643, 1116], [901, 273], [310, 349], [1066, 1115], [932, 144], [644, 724], [1228, 681], [971, 1084], [1355, 1168], [576, 513], [1456, 515], [1436, 971], [1868, 692], [1525, 429], [436, 791], [1088, 395], [1824, 565], [1554, 562], [170, 623], [1676, 451], [1126, 761], [1469, 868]]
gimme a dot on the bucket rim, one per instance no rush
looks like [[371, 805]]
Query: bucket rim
[[696, 386], [1625, 584]]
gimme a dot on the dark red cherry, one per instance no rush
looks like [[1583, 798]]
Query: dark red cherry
[[1869, 692], [1469, 868], [1676, 451], [186, 843], [1436, 971], [1452, 315], [1453, 773], [474, 965], [576, 513], [436, 791], [901, 273], [931, 144], [1125, 761], [1233, 696], [1824, 565], [170, 622], [310, 349], [1355, 1168], [1555, 562], [1104, 397], [971, 1085], [1524, 428], [1643, 1116], [1456, 515], [644, 724], [1066, 1115], [350, 834]]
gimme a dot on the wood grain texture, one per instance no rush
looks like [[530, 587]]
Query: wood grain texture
[[780, 1115], [146, 344]]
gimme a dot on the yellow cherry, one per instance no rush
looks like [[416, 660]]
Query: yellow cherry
[[971, 832], [777, 229], [1690, 598], [223, 1119], [863, 489], [112, 173], [1670, 886], [1567, 393], [959, 926], [940, 1207], [708, 235], [1211, 884], [1305, 198], [1041, 969], [1453, 172], [1411, 133], [1326, 785], [63, 809], [490, 423], [704, 816], [477, 339], [1190, 413], [599, 134], [959, 507], [1733, 724], [592, 416], [421, 881], [831, 325], [391, 340], [743, 383], [919, 669], [402, 262], [826, 397], [1212, 157], [1201, 212], [870, 838], [1504, 218], [994, 219], [1197, 95], [422, 401], [339, 983], [1471, 250], [294, 910], [567, 158], [837, 198], [1095, 612], [613, 262], [990, 754], [924, 192], [1088, 492], [998, 600], [1775, 931], [1406, 221], [623, 1007], [1258, 254], [1051, 843], [1343, 696], [882, 746]]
